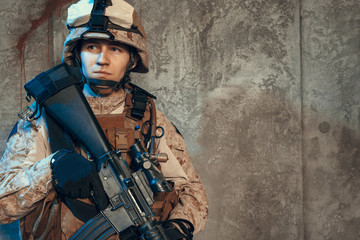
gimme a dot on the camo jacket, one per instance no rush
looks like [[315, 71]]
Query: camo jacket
[[25, 174]]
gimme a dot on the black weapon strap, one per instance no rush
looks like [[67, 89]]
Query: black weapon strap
[[60, 139]]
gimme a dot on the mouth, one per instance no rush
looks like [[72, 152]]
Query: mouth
[[102, 72]]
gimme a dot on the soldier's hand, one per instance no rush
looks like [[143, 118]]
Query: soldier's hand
[[76, 177], [178, 229]]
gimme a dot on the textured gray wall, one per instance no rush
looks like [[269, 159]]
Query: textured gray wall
[[331, 117], [265, 93]]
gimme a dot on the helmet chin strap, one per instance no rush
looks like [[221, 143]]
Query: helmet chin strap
[[106, 87]]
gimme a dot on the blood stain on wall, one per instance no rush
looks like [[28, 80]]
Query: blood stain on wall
[[53, 7]]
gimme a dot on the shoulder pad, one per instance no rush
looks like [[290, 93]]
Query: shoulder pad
[[13, 131], [177, 130], [143, 91]]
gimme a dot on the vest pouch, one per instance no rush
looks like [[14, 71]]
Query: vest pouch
[[121, 140], [119, 130]]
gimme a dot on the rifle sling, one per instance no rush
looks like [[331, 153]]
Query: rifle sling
[[59, 139], [82, 210]]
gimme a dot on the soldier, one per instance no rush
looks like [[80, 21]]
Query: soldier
[[48, 190]]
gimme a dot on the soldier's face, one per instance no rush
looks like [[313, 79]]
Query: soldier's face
[[103, 59]]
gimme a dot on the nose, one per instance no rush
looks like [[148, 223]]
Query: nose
[[103, 58]]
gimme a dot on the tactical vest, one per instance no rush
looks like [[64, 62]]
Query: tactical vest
[[121, 133], [44, 221], [120, 128]]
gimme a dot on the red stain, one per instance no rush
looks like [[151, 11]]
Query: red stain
[[52, 7]]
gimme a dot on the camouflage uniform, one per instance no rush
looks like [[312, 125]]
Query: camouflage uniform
[[26, 175]]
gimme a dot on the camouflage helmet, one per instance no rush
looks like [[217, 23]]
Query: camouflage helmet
[[105, 19]]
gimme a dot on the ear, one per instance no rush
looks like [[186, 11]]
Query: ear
[[136, 59]]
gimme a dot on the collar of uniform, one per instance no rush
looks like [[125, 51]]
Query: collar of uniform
[[113, 103]]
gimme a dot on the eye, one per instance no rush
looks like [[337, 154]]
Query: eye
[[116, 49], [91, 46]]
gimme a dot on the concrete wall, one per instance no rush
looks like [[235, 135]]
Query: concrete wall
[[265, 93]]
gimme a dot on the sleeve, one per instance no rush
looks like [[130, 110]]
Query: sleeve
[[25, 175], [193, 204]]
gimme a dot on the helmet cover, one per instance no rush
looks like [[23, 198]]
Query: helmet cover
[[105, 19]]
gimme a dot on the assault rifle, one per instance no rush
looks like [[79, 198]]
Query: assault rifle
[[59, 92]]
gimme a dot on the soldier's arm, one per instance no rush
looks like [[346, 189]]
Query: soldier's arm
[[25, 175], [193, 204]]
